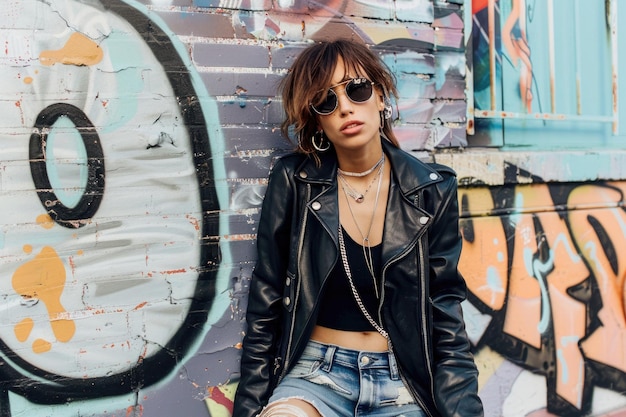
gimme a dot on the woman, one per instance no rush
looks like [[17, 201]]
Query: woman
[[354, 305]]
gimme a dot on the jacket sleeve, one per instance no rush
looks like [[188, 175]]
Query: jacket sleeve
[[264, 309], [456, 384]]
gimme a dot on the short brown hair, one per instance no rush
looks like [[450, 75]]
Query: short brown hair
[[312, 70]]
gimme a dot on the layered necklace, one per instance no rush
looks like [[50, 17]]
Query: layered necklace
[[351, 193], [349, 190]]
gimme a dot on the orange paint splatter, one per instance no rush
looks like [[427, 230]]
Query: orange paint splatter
[[134, 411], [72, 265], [140, 305], [28, 80], [78, 50], [45, 221], [23, 329], [41, 346], [175, 271], [194, 221], [18, 104], [27, 248], [44, 278]]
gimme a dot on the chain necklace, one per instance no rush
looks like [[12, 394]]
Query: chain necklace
[[367, 250], [355, 293], [351, 191], [364, 173]]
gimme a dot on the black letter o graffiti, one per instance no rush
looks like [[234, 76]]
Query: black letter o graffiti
[[70, 217]]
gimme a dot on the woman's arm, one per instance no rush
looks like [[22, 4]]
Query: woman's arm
[[265, 297], [456, 384]]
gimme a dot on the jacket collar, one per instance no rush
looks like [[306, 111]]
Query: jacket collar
[[410, 173]]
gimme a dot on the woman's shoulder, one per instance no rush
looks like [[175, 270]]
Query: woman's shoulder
[[442, 169], [410, 165], [288, 161]]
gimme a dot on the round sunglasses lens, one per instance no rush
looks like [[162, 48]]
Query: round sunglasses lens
[[359, 91], [328, 105]]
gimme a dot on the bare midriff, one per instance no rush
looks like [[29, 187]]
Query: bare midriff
[[364, 341]]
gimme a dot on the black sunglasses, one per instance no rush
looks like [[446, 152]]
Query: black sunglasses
[[358, 90]]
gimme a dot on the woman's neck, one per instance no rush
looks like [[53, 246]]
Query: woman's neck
[[359, 162]]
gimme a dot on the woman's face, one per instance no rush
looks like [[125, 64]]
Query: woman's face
[[352, 126]]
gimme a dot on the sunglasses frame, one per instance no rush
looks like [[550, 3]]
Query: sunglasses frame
[[356, 81]]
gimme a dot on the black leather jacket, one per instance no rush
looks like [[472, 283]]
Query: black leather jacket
[[422, 290]]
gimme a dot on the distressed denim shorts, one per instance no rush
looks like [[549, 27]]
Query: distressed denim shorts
[[345, 382]]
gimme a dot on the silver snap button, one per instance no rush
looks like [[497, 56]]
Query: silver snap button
[[433, 176], [423, 220], [316, 205], [287, 301], [288, 281], [365, 360], [303, 174]]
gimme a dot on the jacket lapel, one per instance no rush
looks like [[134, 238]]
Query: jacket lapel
[[405, 220], [323, 203]]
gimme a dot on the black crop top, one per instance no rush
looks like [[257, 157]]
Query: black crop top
[[338, 308]]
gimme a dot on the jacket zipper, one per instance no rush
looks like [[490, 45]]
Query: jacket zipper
[[429, 360], [297, 293], [416, 396]]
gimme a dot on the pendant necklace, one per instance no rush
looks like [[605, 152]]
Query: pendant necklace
[[352, 192], [367, 250]]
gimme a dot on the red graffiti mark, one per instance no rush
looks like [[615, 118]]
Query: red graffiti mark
[[220, 398], [478, 5]]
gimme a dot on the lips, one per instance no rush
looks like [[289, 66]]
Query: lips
[[351, 126]]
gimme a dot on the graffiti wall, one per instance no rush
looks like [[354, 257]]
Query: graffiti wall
[[546, 309], [135, 142], [543, 226]]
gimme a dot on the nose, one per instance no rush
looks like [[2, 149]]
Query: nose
[[344, 105]]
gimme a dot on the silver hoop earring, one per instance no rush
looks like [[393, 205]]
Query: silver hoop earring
[[386, 113], [388, 110], [322, 139]]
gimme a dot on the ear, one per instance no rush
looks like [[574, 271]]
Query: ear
[[381, 96], [381, 102]]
